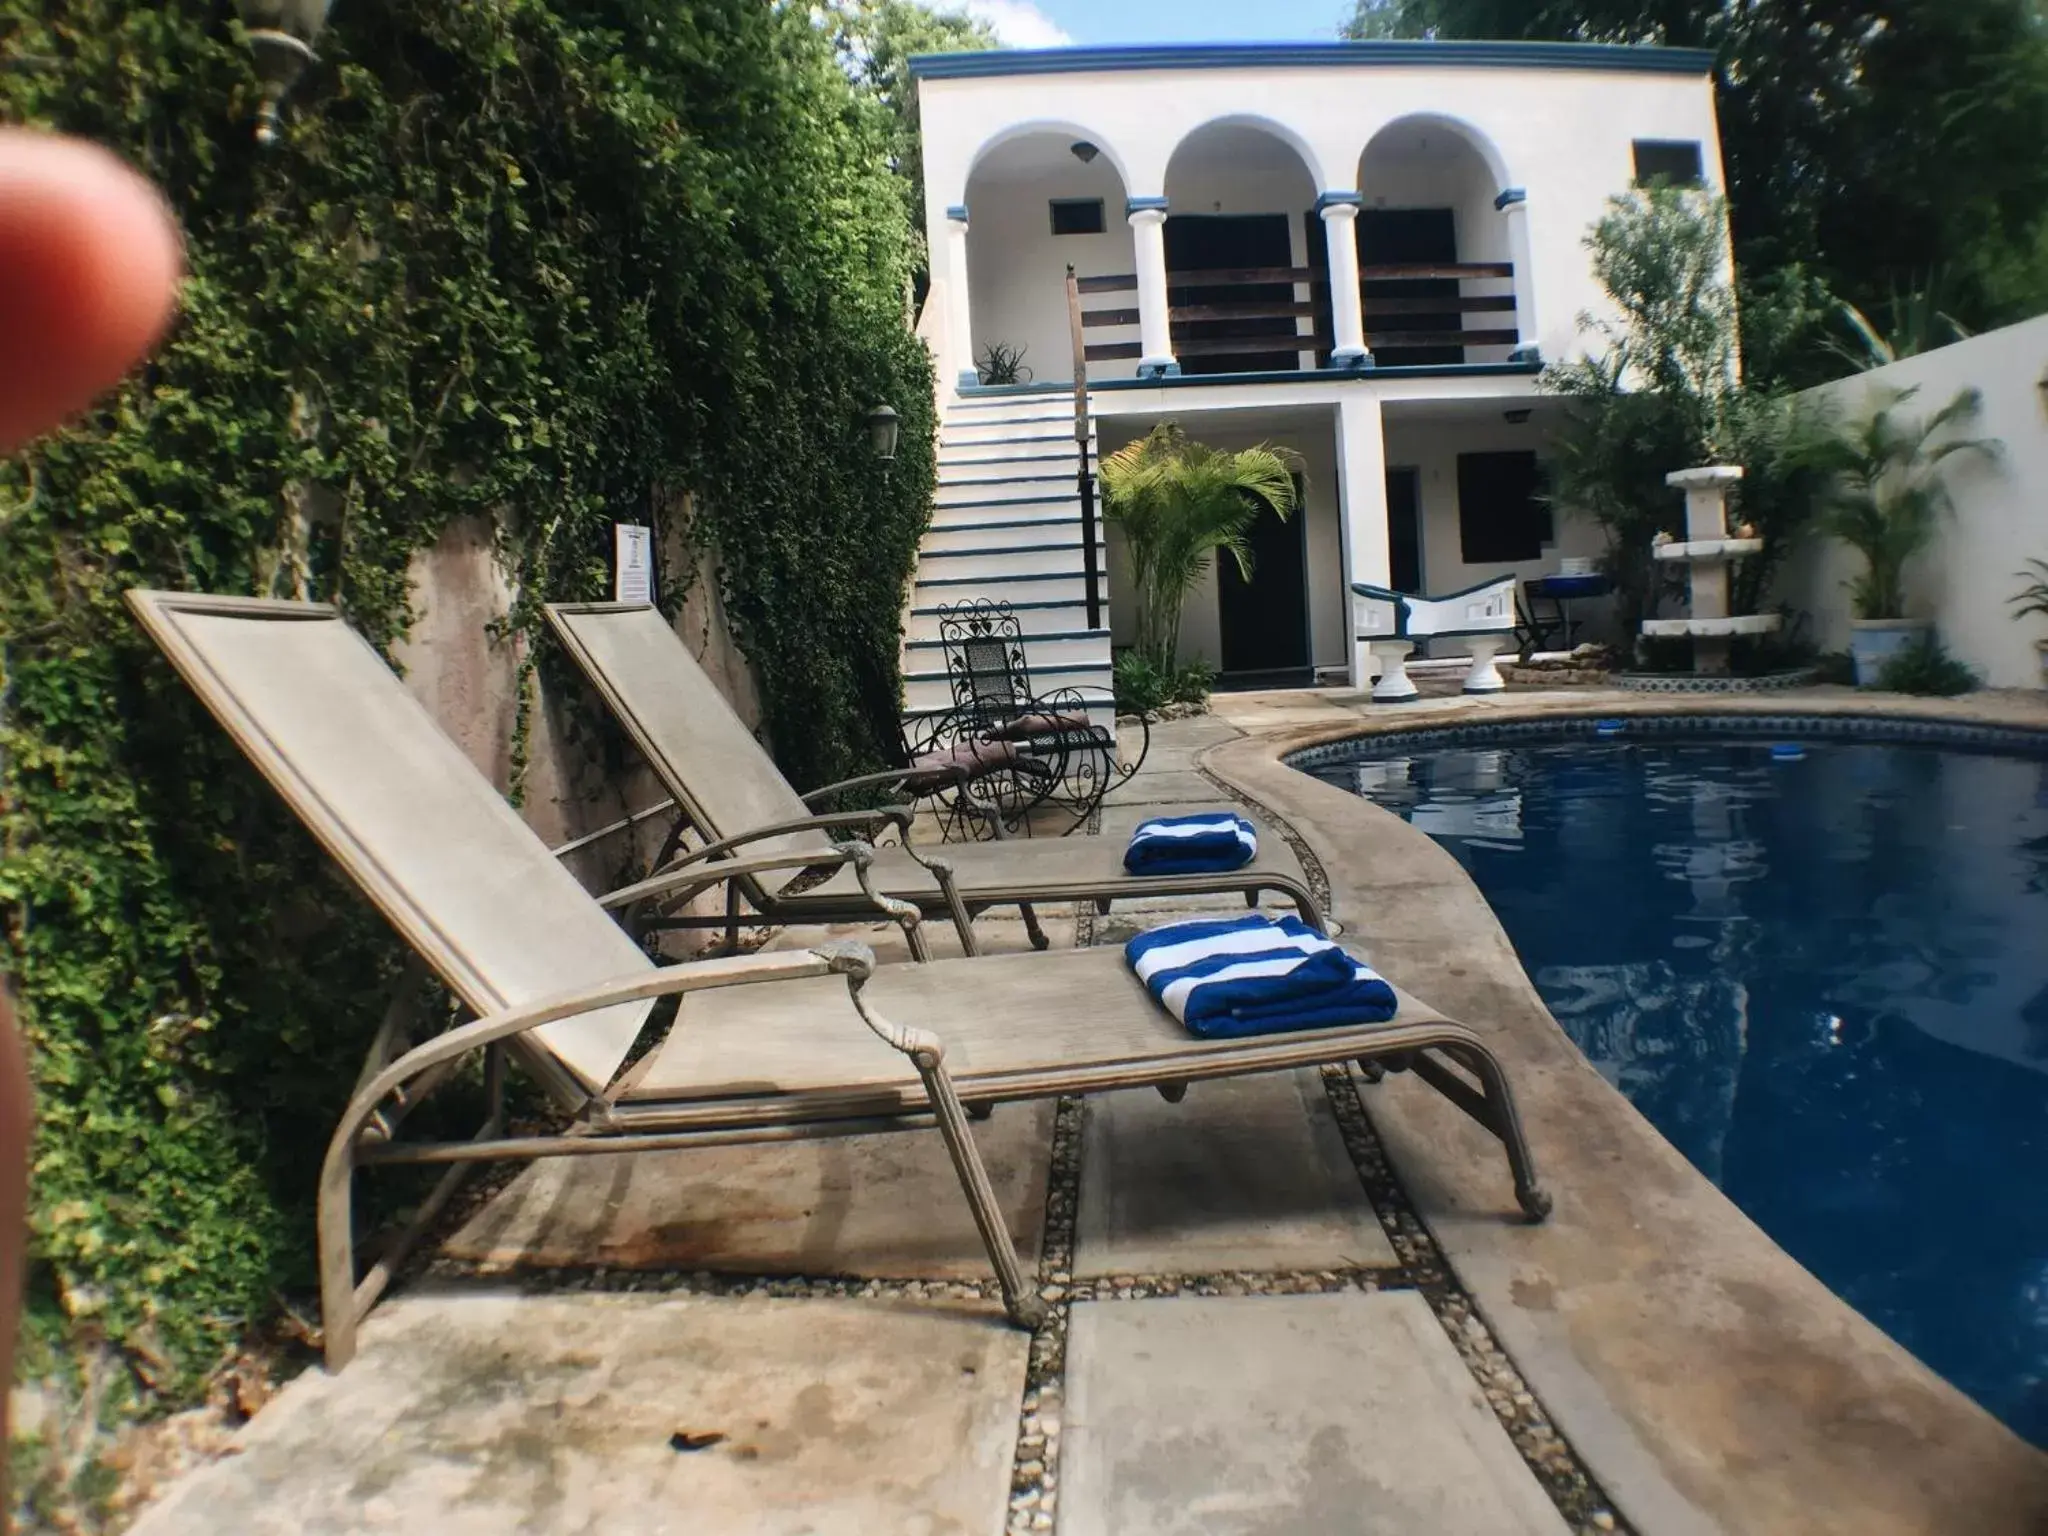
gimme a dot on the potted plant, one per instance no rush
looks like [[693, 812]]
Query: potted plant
[[1885, 501], [2032, 600]]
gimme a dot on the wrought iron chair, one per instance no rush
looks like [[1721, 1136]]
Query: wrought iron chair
[[1076, 762]]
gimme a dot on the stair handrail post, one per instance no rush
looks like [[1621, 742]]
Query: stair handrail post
[[1086, 481]]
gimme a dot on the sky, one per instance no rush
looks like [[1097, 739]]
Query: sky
[[1052, 23]]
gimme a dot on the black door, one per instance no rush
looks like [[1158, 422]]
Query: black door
[[1410, 237], [1205, 242], [1404, 529], [1264, 621]]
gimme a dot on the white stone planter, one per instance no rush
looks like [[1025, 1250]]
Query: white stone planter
[[1873, 642]]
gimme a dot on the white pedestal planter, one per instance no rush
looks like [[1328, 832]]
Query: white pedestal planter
[[1873, 642]]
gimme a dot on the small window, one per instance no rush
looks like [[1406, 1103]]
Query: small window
[[1502, 513], [1674, 160], [1077, 216]]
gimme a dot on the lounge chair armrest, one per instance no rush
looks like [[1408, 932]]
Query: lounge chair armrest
[[696, 876], [892, 776], [897, 816], [693, 976]]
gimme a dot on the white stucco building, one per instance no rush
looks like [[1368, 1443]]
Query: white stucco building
[[1362, 251]]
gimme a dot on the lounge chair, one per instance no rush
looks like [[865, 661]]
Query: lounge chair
[[763, 1047], [731, 790]]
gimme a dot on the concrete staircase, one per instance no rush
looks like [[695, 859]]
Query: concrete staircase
[[1007, 527]]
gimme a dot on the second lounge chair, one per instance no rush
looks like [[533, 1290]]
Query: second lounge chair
[[729, 788]]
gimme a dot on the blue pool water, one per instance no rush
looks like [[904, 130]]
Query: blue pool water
[[1823, 975]]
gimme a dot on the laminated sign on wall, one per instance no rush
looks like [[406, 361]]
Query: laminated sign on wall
[[632, 563]]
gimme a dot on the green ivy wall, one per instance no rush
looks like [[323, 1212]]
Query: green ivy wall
[[550, 265]]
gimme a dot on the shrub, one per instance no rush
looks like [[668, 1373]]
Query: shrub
[[1925, 667], [1144, 689]]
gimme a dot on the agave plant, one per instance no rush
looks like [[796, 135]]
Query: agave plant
[[1179, 504], [1914, 322], [1888, 496]]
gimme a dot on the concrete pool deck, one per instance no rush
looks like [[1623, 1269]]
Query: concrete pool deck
[[1260, 1328]]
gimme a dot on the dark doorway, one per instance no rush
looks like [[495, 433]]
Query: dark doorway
[[1404, 529], [1264, 622], [1230, 242], [1410, 237]]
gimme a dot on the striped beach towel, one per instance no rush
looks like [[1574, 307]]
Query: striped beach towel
[[1238, 976], [1209, 843]]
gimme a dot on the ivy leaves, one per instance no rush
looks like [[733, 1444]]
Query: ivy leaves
[[544, 261]]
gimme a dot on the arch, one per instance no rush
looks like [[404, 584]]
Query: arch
[[1472, 138], [1431, 185], [1251, 122], [1071, 132], [1021, 184]]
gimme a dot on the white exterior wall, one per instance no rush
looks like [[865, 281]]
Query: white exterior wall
[[1564, 135], [1432, 449], [2001, 510]]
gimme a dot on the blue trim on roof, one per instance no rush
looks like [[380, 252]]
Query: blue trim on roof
[[1340, 200], [981, 391], [1468, 55], [1404, 371], [1510, 197]]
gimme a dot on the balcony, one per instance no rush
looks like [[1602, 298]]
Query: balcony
[[1279, 319]]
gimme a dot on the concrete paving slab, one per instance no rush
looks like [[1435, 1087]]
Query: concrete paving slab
[[486, 1414], [1245, 1174], [1339, 1415], [888, 1206], [1166, 786]]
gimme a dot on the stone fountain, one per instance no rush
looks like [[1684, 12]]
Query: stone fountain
[[1708, 551]]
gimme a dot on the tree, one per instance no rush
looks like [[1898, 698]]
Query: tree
[[1658, 390], [1874, 140], [875, 41], [1179, 504]]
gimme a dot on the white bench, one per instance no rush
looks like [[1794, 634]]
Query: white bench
[[1389, 623]]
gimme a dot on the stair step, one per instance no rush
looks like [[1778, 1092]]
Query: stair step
[[1015, 533], [1001, 562], [1079, 648], [1059, 448], [1035, 618], [1064, 587]]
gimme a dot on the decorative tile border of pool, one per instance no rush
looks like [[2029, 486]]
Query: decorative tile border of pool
[[1899, 730]]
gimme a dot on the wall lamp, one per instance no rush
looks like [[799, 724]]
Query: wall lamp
[[884, 426], [281, 36]]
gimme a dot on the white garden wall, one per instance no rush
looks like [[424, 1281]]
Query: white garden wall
[[2001, 510]]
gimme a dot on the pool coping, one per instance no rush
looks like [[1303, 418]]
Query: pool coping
[[1708, 1380]]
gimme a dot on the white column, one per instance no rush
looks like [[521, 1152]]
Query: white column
[[1347, 310], [1155, 328], [1514, 207], [1362, 493], [960, 312]]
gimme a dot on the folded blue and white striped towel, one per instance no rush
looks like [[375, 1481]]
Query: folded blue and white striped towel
[[1256, 976], [1209, 843]]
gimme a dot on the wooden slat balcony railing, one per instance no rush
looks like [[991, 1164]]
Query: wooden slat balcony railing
[[1196, 324]]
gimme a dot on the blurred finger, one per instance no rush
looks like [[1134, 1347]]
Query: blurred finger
[[89, 265]]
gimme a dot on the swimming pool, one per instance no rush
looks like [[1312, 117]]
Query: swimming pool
[[1817, 963]]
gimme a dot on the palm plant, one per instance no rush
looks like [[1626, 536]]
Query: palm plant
[[1179, 503], [1888, 496]]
